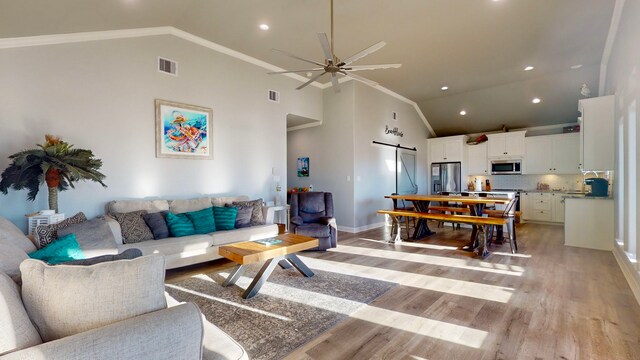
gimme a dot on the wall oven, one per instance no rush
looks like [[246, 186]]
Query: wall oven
[[506, 167]]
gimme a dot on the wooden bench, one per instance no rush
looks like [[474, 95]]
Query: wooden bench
[[461, 210], [483, 222], [500, 213]]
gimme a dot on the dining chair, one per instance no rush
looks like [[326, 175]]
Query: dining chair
[[509, 212], [405, 219]]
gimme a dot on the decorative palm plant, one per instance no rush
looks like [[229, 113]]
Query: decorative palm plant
[[56, 163]]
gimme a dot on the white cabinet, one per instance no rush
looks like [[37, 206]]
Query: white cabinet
[[538, 206], [446, 149], [596, 133], [589, 223], [477, 157], [507, 145], [552, 154], [557, 208]]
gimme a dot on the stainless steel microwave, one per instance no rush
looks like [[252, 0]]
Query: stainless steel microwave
[[506, 167]]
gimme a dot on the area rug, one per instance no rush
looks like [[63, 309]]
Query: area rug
[[289, 311]]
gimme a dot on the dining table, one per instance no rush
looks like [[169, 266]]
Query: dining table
[[421, 204]]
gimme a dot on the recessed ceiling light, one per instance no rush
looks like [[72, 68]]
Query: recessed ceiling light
[[528, 68], [444, 88], [576, 66], [264, 27], [463, 113], [536, 100]]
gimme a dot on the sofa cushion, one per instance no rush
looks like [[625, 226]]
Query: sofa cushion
[[203, 220], [157, 224], [180, 225], [243, 218], [173, 245], [64, 300], [244, 234], [256, 215], [133, 227], [16, 330], [11, 234], [63, 249], [225, 217], [10, 258], [183, 206], [46, 234], [125, 206], [94, 236], [313, 230]]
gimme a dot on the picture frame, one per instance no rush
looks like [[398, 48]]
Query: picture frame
[[183, 131], [303, 167]]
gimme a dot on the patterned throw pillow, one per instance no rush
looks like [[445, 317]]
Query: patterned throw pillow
[[225, 217], [61, 250], [180, 225], [256, 215], [203, 220], [243, 218], [45, 234], [133, 227]]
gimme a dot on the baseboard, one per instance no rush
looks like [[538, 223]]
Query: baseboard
[[630, 273], [353, 230]]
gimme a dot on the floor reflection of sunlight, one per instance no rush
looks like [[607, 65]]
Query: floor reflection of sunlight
[[441, 284], [433, 260], [411, 323], [510, 254], [414, 244], [227, 302]]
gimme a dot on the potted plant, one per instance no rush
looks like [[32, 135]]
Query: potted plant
[[56, 163]]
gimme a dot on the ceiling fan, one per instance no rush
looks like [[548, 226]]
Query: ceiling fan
[[333, 65]]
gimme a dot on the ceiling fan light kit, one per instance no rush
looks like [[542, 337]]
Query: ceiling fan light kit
[[333, 65]]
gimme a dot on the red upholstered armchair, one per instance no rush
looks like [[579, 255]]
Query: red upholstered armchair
[[312, 215]]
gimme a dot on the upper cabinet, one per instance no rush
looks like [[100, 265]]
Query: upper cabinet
[[447, 149], [596, 133], [552, 154], [507, 145], [477, 156]]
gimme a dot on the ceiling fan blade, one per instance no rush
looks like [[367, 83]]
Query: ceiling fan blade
[[294, 71], [372, 67], [371, 49], [311, 80], [299, 58], [334, 83], [360, 78], [324, 42]]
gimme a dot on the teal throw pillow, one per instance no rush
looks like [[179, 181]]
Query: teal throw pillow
[[225, 217], [65, 248], [203, 220], [180, 225]]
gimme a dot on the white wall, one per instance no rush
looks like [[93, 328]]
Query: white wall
[[623, 80], [329, 148], [100, 95]]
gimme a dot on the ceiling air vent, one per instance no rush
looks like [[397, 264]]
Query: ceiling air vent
[[167, 66], [274, 96]]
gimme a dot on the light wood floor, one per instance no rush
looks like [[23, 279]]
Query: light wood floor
[[548, 302]]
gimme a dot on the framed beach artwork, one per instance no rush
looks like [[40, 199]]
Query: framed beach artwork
[[183, 131], [303, 167]]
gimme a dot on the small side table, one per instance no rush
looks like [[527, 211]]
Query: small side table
[[282, 211], [43, 220]]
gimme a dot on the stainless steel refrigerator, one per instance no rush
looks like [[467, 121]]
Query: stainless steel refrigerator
[[445, 177]]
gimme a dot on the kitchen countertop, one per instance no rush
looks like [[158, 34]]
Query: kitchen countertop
[[588, 197]]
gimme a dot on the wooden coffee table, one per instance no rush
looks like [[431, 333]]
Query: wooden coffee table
[[283, 254]]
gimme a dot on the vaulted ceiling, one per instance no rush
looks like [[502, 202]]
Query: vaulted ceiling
[[478, 48]]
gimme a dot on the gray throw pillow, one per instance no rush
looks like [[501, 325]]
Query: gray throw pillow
[[134, 229], [256, 214], [94, 237], [128, 254], [158, 224], [243, 218], [64, 300], [45, 234]]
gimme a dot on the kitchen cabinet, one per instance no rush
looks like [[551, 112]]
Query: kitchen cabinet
[[552, 154], [447, 149], [596, 133], [557, 210], [589, 223], [507, 145], [478, 162], [542, 206]]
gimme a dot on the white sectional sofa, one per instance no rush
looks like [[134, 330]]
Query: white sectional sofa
[[193, 249]]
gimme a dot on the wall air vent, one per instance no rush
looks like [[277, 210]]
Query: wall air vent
[[167, 66], [274, 96]]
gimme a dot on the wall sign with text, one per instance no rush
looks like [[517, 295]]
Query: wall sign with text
[[393, 131]]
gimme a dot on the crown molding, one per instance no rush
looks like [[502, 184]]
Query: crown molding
[[56, 39], [608, 46]]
